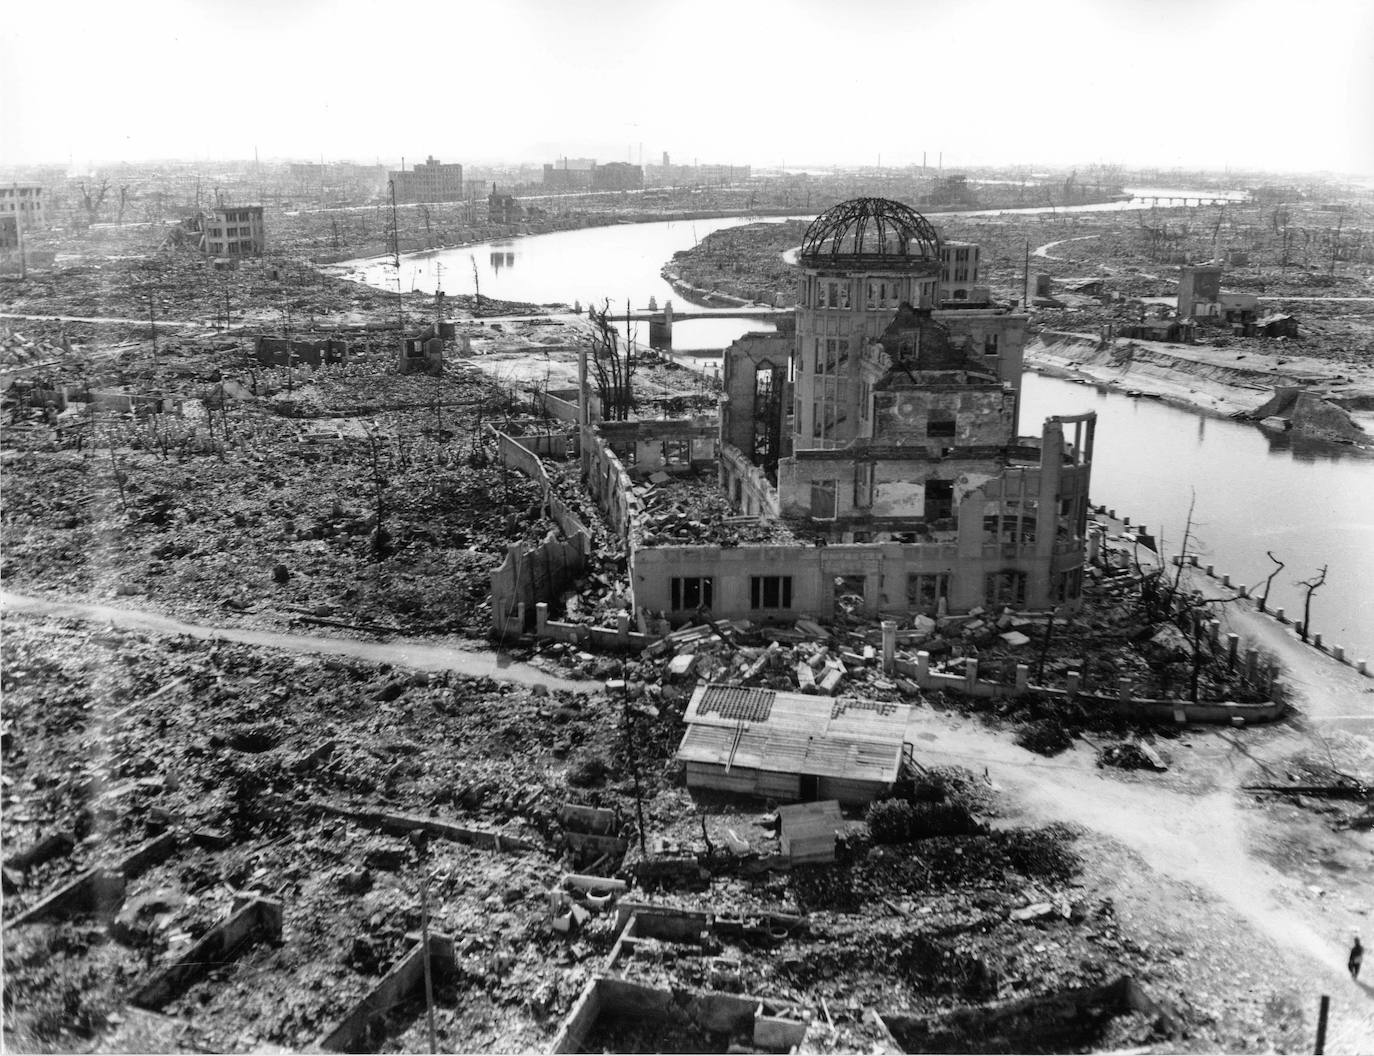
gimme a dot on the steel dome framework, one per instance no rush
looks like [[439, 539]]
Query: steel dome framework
[[871, 230]]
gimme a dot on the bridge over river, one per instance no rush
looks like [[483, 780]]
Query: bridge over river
[[661, 320]]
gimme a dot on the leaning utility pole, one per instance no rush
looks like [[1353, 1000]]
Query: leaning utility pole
[[396, 261]]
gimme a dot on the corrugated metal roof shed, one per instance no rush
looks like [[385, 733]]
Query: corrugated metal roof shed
[[793, 734]]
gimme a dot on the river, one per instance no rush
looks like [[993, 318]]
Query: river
[[1255, 491]]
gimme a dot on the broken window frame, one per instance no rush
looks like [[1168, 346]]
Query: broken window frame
[[770, 592], [1005, 588], [689, 593], [827, 491], [925, 589]]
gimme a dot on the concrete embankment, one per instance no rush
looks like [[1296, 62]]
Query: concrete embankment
[[1208, 379]]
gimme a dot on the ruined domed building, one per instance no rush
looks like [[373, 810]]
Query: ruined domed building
[[873, 455]]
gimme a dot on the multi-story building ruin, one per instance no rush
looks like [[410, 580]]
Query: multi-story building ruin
[[871, 461], [432, 181], [234, 231]]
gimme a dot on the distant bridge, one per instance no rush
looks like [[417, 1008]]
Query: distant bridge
[[661, 320], [1164, 199]]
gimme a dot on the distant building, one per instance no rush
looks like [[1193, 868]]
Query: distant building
[[1200, 297], [234, 232], [959, 271], [502, 208], [432, 181], [21, 205], [618, 176], [570, 174]]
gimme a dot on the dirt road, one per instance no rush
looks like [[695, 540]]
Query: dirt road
[[420, 656]]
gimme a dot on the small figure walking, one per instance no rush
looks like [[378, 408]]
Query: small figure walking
[[1356, 959]]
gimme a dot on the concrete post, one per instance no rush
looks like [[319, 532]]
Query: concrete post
[[1111, 514], [970, 675], [1125, 522], [1232, 647], [622, 628], [541, 619], [1073, 680], [1362, 666], [1317, 640], [1214, 632], [1338, 651], [1192, 560], [1243, 590], [1022, 678], [1226, 579], [520, 616], [1210, 568], [889, 645], [1123, 689], [923, 669], [1251, 664], [1278, 614]]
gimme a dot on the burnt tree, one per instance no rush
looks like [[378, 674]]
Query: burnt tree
[[613, 366]]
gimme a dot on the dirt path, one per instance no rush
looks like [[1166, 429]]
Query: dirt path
[[201, 323], [1201, 839], [1044, 251], [420, 656]]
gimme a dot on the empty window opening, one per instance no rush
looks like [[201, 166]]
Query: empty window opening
[[940, 423], [692, 592], [925, 589], [770, 592], [939, 503]]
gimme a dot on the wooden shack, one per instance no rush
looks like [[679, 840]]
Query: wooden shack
[[791, 747]]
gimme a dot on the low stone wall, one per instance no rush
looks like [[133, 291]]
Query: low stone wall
[[1279, 614]]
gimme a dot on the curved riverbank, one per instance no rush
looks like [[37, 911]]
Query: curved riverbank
[[1212, 380]]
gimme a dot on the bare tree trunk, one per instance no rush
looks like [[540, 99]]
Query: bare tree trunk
[[1311, 585]]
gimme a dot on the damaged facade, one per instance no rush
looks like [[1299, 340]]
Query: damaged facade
[[874, 454], [234, 232]]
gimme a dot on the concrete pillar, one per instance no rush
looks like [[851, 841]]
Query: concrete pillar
[[970, 675], [1111, 514], [1362, 666], [520, 616], [1278, 615], [1125, 522], [1123, 689], [1338, 651], [1192, 560], [1243, 590], [622, 628], [1214, 632], [1226, 579], [1317, 640], [1073, 680], [1251, 663], [1232, 647], [1209, 569], [889, 645], [922, 668], [1022, 678], [541, 619]]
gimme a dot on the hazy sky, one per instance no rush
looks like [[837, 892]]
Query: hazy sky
[[1255, 83]]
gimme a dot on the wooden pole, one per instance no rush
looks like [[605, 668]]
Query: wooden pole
[[429, 978], [1321, 1025]]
